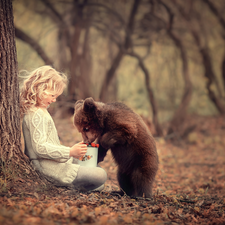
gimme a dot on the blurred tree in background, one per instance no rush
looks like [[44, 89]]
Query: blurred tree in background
[[163, 58]]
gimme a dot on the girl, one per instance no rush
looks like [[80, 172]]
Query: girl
[[56, 162]]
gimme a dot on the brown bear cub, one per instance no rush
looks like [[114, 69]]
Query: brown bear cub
[[117, 127]]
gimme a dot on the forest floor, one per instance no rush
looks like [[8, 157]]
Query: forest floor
[[189, 187]]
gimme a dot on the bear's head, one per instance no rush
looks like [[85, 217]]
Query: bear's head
[[88, 119]]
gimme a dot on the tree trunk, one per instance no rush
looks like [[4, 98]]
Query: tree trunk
[[109, 76], [72, 92], [223, 71], [206, 59], [209, 74], [216, 12], [159, 131], [10, 130], [180, 113], [219, 15], [85, 65], [80, 66], [12, 157], [158, 128], [122, 50], [10, 135]]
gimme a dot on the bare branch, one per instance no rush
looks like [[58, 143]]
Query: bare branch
[[150, 93], [125, 46], [54, 13], [29, 40], [215, 12]]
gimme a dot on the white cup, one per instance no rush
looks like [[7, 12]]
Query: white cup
[[91, 157]]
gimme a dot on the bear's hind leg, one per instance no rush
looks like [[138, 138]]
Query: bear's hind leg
[[135, 184], [125, 184], [142, 183]]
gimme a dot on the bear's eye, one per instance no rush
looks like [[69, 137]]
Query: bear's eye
[[86, 129]]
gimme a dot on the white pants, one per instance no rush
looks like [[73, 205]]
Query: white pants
[[90, 179]]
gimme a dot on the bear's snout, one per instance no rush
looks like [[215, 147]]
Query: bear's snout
[[89, 137]]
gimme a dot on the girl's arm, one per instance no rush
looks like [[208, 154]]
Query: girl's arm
[[44, 137]]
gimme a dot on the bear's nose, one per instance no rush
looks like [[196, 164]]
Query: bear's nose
[[85, 138]]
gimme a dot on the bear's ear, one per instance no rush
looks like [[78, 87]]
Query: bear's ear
[[78, 104], [89, 105]]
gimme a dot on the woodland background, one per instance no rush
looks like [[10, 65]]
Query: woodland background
[[163, 58]]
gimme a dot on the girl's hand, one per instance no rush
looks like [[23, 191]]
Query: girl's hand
[[78, 150]]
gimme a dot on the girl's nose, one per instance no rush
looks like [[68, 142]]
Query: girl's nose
[[54, 100]]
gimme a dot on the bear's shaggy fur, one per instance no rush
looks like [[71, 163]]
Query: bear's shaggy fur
[[117, 127]]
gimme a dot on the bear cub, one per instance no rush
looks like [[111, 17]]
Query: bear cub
[[117, 127]]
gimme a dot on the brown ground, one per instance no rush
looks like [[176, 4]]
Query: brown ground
[[189, 187]]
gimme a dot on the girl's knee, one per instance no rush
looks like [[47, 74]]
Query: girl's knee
[[102, 175]]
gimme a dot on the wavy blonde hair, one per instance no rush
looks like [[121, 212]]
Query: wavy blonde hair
[[42, 81]]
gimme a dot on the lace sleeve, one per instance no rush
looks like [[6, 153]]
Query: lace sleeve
[[44, 137]]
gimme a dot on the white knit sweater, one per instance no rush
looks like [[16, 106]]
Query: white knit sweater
[[43, 147]]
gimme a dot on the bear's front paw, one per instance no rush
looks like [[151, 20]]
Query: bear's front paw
[[107, 144]]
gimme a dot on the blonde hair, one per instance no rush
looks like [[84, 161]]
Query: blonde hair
[[42, 81]]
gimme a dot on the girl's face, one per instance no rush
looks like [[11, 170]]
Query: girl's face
[[47, 99]]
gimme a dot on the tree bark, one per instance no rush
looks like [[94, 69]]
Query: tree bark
[[12, 159], [10, 132]]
